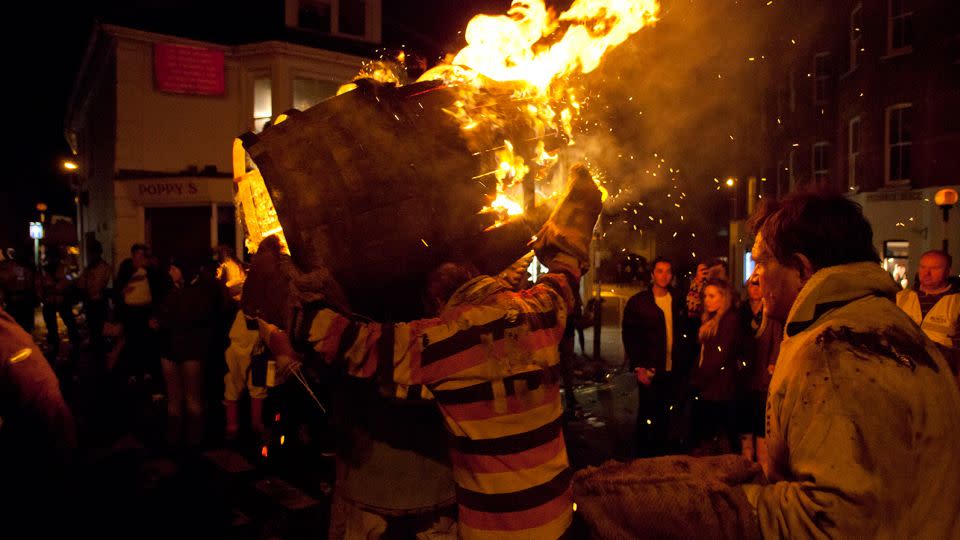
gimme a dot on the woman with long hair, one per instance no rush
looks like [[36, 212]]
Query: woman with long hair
[[186, 319], [715, 375]]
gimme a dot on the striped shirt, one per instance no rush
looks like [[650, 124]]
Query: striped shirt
[[490, 361]]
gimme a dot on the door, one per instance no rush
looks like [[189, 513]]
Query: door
[[178, 231]]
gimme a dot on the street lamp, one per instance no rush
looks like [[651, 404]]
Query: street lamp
[[731, 183], [72, 168], [946, 199]]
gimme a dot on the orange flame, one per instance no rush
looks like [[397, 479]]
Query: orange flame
[[522, 45], [533, 51]]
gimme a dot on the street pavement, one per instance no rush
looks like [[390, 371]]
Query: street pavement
[[129, 485]]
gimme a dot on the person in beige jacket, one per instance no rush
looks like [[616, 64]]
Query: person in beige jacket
[[863, 417]]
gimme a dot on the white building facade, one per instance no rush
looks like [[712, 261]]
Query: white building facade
[[153, 117]]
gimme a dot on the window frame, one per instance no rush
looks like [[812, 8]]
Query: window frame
[[889, 145], [853, 153], [254, 119], [820, 172], [820, 94], [906, 15]]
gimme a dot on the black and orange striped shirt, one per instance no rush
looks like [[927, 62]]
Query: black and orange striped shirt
[[491, 363]]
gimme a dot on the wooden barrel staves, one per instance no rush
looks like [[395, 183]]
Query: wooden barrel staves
[[379, 186]]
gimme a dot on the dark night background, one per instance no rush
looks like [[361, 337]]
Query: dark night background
[[659, 93]]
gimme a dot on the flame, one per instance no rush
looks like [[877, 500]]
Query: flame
[[530, 44], [506, 205], [532, 52]]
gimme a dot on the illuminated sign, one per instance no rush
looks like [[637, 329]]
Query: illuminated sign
[[36, 230], [180, 69]]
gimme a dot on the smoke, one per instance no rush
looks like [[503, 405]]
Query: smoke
[[677, 106]]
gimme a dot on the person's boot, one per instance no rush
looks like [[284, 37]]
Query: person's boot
[[256, 417], [232, 413]]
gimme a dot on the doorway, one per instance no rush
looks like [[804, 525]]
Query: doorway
[[182, 231]]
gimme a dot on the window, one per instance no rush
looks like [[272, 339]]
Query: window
[[262, 103], [898, 139], [308, 92], [791, 171], [896, 257], [821, 77], [853, 155], [352, 17], [899, 27], [314, 15], [821, 161], [856, 36]]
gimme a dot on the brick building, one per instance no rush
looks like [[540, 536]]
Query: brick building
[[864, 96]]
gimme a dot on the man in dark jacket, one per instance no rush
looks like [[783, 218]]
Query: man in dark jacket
[[656, 347]]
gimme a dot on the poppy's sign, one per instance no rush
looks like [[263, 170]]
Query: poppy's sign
[[180, 69]]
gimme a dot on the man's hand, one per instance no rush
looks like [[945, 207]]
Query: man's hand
[[570, 227], [644, 376], [266, 329], [279, 344]]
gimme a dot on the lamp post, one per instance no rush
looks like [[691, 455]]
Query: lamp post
[[731, 183], [72, 169], [946, 199]]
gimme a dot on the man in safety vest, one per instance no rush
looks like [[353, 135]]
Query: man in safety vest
[[936, 306]]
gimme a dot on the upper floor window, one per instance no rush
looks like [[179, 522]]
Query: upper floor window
[[854, 164], [262, 103], [315, 15], [352, 17], [821, 161], [899, 26], [821, 77], [856, 36], [307, 92], [899, 140]]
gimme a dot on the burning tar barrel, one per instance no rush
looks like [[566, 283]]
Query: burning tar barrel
[[379, 186]]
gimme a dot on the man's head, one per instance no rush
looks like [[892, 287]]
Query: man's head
[[717, 269], [139, 256], [934, 270], [802, 234], [94, 250], [662, 272], [701, 273], [443, 282]]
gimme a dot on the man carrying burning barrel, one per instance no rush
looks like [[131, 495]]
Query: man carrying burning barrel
[[490, 360]]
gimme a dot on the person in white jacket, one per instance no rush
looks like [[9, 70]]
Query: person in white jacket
[[863, 417], [935, 305]]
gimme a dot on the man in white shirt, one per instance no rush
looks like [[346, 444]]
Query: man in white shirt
[[655, 346]]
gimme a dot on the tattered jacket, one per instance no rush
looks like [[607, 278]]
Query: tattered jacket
[[863, 419], [490, 361]]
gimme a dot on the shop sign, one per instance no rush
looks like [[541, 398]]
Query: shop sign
[[180, 69], [179, 191], [891, 196]]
